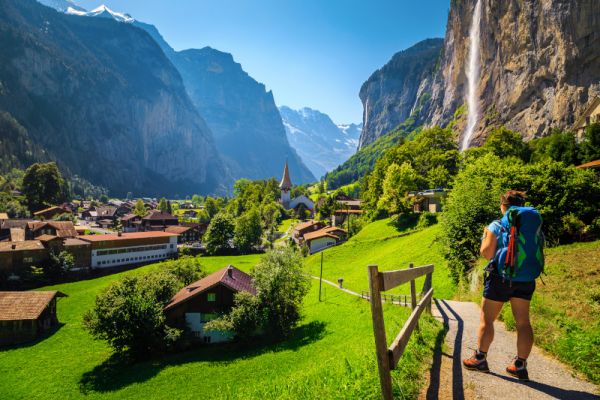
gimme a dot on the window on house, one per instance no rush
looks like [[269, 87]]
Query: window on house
[[206, 339], [28, 259], [212, 297]]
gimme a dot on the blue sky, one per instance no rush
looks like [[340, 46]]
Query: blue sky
[[314, 53]]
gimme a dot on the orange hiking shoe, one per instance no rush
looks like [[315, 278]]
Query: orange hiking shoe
[[518, 369], [477, 362]]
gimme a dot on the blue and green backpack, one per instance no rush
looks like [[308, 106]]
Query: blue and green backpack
[[520, 253]]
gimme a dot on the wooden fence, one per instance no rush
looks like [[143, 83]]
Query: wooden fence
[[388, 357]]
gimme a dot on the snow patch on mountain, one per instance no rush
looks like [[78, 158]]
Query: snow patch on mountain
[[102, 12]]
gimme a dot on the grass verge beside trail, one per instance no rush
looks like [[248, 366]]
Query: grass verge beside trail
[[382, 244], [330, 356]]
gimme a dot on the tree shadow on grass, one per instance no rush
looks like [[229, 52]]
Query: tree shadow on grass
[[118, 371]]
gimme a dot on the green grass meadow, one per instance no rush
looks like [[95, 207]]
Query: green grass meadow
[[382, 244], [329, 356]]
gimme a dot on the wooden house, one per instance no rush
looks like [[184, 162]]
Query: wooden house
[[196, 304], [24, 316], [51, 212], [305, 227], [157, 220]]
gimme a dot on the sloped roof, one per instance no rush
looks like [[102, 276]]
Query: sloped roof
[[319, 234], [76, 242], [286, 182], [46, 238], [178, 229], [16, 306], [21, 246], [307, 224], [238, 281], [3, 215], [158, 215], [53, 208], [63, 228], [106, 211], [125, 236]]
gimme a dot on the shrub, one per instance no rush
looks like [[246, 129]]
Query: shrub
[[280, 285], [186, 269], [129, 315], [426, 219]]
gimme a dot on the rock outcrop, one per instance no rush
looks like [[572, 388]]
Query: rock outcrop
[[399, 90], [102, 99], [540, 64]]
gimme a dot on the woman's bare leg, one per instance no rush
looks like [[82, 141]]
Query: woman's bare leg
[[520, 310], [489, 312]]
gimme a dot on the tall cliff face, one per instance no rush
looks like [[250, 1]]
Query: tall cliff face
[[102, 99], [321, 144], [540, 63], [242, 115], [398, 90]]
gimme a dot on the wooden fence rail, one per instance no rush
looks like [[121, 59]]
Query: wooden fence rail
[[388, 357]]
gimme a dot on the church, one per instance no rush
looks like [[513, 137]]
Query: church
[[297, 202]]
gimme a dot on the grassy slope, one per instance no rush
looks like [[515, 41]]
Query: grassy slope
[[566, 310], [330, 356], [379, 243]]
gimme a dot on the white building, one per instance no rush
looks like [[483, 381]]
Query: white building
[[114, 250], [286, 201]]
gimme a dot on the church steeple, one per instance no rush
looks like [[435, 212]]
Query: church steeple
[[286, 182]]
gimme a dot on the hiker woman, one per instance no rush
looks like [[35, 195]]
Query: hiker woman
[[514, 247]]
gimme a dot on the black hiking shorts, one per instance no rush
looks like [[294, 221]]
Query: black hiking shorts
[[500, 289]]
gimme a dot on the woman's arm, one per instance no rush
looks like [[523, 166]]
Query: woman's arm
[[488, 244]]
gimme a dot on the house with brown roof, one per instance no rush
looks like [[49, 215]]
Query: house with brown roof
[[17, 257], [157, 220], [199, 302], [131, 222], [24, 316], [63, 229], [324, 238], [51, 212], [305, 227], [6, 226], [185, 234]]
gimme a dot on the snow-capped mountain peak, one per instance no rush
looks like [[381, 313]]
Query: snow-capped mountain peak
[[102, 12], [61, 5]]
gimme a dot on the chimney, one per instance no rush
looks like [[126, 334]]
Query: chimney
[[14, 246], [119, 233], [230, 271]]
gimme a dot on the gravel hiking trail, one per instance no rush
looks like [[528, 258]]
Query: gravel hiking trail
[[550, 379]]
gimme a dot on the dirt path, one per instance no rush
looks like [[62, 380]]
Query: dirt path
[[448, 380]]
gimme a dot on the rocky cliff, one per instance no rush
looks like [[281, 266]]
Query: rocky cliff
[[540, 64], [399, 90], [240, 112], [539, 67], [321, 144], [102, 99]]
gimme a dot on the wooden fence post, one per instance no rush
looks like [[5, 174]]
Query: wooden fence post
[[413, 294], [383, 360]]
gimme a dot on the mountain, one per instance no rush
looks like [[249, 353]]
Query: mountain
[[239, 110], [101, 11], [62, 5], [399, 90], [540, 64], [101, 98], [539, 67], [321, 144]]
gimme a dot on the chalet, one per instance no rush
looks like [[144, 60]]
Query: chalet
[[200, 227], [7, 226], [305, 227], [340, 217], [428, 201], [106, 223], [51, 212], [24, 316], [119, 249], [196, 304], [185, 234], [63, 229], [16, 257], [324, 238], [158, 221], [131, 222], [89, 215], [590, 115], [104, 213]]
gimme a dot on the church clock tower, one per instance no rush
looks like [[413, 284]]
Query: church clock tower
[[286, 186]]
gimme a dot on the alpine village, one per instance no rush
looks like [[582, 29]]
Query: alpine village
[[169, 229]]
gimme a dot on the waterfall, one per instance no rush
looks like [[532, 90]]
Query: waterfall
[[472, 70]]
